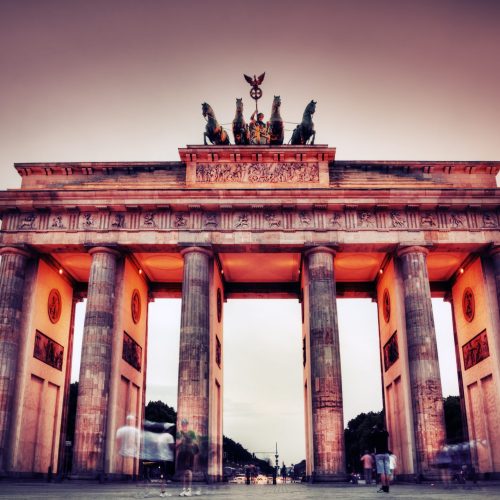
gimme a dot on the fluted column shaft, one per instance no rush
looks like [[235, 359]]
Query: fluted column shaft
[[12, 283], [194, 349], [95, 368], [425, 381], [326, 379]]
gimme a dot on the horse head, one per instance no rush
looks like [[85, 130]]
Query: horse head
[[276, 103], [207, 110], [311, 107], [239, 104]]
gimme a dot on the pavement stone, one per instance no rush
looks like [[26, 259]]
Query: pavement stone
[[93, 490]]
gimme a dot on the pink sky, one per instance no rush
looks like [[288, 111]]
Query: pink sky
[[111, 80]]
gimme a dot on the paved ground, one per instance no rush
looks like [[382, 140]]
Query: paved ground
[[94, 491]]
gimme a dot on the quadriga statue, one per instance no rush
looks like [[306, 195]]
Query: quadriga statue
[[240, 128], [213, 130], [276, 129], [305, 129]]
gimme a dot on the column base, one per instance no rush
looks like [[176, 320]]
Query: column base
[[339, 477]]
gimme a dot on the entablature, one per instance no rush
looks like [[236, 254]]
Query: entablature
[[219, 168], [350, 211]]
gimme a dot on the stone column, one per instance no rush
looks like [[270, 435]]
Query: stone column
[[95, 368], [326, 381], [425, 381], [194, 349], [12, 290]]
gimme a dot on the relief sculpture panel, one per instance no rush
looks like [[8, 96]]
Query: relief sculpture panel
[[258, 172]]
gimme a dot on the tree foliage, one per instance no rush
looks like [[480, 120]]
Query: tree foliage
[[357, 438], [73, 396], [453, 420], [158, 411]]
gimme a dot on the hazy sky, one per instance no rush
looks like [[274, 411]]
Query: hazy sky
[[88, 80]]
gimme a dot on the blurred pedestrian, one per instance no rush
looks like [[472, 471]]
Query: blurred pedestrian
[[283, 473], [187, 449], [393, 462], [380, 443], [367, 461], [128, 439]]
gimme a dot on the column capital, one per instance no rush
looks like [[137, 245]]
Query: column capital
[[320, 249], [98, 249], [403, 250], [15, 250], [204, 250]]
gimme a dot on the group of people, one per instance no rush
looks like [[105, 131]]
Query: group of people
[[380, 456], [156, 444]]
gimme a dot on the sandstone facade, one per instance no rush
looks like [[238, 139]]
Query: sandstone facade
[[228, 222]]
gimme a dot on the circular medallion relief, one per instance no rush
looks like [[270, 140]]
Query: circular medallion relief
[[219, 305], [468, 304], [386, 305], [54, 305], [135, 306]]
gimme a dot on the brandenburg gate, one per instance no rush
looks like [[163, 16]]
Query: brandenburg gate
[[230, 222]]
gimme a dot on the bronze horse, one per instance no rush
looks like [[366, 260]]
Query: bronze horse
[[275, 124], [241, 132], [305, 130], [213, 131]]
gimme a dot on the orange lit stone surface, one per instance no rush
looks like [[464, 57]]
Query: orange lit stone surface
[[257, 214]]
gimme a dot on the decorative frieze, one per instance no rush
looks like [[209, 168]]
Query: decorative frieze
[[210, 221], [428, 220], [258, 173], [57, 222], [398, 219], [88, 221], [180, 220], [457, 220], [258, 218], [336, 220], [117, 221], [148, 220], [490, 220], [366, 218], [27, 221]]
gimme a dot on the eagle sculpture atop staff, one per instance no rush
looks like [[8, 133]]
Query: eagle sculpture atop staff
[[255, 91]]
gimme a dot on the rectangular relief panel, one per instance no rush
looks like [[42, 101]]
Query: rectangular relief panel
[[261, 167], [391, 351], [132, 352], [48, 351], [475, 350]]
